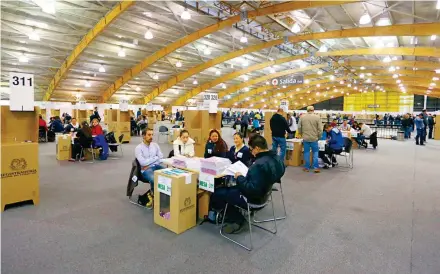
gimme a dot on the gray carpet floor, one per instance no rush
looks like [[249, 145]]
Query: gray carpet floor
[[381, 217]]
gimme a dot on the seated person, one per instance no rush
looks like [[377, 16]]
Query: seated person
[[267, 170], [57, 126], [143, 123], [335, 143], [365, 132], [215, 146], [41, 123], [334, 123], [72, 126], [345, 126], [355, 125], [239, 152], [184, 145], [149, 157], [83, 139], [96, 127]]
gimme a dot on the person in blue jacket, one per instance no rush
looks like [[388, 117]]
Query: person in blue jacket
[[57, 126], [239, 152], [216, 146], [335, 143]]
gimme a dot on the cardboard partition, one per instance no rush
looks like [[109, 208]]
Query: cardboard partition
[[203, 198], [437, 128], [19, 173], [199, 150], [112, 126], [175, 198], [196, 135], [63, 147], [295, 157], [124, 126], [18, 126]]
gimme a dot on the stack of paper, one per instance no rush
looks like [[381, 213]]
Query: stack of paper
[[214, 165], [236, 167]]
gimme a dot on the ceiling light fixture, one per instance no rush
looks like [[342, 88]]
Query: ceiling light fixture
[[185, 15], [306, 81], [195, 82], [379, 44], [138, 89], [179, 64], [155, 76], [320, 72], [398, 81], [395, 75], [101, 68], [22, 58], [267, 83], [148, 35], [245, 62], [217, 72], [243, 39], [365, 19], [48, 6], [362, 75], [121, 52], [383, 22], [88, 84], [386, 59], [223, 86], [438, 5], [272, 70], [433, 37], [392, 69], [296, 28], [362, 68], [245, 77], [207, 51], [33, 35], [435, 78], [332, 77], [323, 48]]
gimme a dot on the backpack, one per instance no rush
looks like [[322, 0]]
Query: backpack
[[110, 139], [171, 154]]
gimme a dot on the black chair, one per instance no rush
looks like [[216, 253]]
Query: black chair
[[372, 139], [118, 145], [347, 153], [42, 135], [163, 131], [251, 209], [135, 177]]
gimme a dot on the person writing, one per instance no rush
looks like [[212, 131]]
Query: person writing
[[96, 128], [310, 128], [279, 126], [239, 152], [267, 169], [215, 146], [83, 139], [334, 144], [149, 157], [184, 145]]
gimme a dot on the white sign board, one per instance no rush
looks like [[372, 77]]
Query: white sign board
[[164, 185], [21, 86], [206, 182], [284, 104], [210, 101], [82, 105], [123, 105]]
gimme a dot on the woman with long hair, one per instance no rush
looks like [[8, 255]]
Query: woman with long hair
[[83, 139], [184, 145], [216, 146]]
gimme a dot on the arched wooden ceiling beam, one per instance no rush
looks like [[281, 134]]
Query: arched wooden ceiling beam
[[102, 24], [396, 30], [278, 8]]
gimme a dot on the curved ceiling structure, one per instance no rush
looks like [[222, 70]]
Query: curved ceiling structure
[[149, 52]]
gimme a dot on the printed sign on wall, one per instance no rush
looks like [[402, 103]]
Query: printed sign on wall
[[21, 86]]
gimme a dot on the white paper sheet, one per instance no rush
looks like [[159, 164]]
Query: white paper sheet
[[236, 167]]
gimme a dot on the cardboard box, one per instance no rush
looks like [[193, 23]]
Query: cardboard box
[[124, 126], [295, 157], [112, 126], [63, 147], [175, 198], [19, 173], [196, 135], [203, 198], [88, 153]]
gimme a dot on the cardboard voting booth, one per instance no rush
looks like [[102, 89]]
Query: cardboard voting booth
[[63, 147], [294, 152], [175, 199]]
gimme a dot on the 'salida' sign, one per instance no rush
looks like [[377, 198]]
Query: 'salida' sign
[[288, 80]]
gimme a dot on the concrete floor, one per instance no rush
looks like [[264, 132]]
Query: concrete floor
[[381, 217]]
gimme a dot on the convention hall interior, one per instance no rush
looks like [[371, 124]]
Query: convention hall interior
[[153, 136]]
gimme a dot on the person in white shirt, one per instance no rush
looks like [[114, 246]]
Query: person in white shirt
[[291, 121], [345, 126], [149, 157], [365, 132], [184, 145]]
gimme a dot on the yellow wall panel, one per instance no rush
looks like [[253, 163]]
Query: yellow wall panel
[[386, 102]]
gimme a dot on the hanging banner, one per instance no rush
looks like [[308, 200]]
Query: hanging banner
[[288, 80], [123, 105], [21, 86]]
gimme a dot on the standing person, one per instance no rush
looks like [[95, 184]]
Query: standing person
[[245, 121], [177, 115], [149, 157], [56, 126], [431, 124], [279, 126], [420, 127], [96, 114], [406, 126], [291, 122], [216, 146], [425, 122], [411, 123], [310, 129], [139, 112]]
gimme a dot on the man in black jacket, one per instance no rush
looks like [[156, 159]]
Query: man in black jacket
[[279, 126], [430, 125], [263, 173]]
